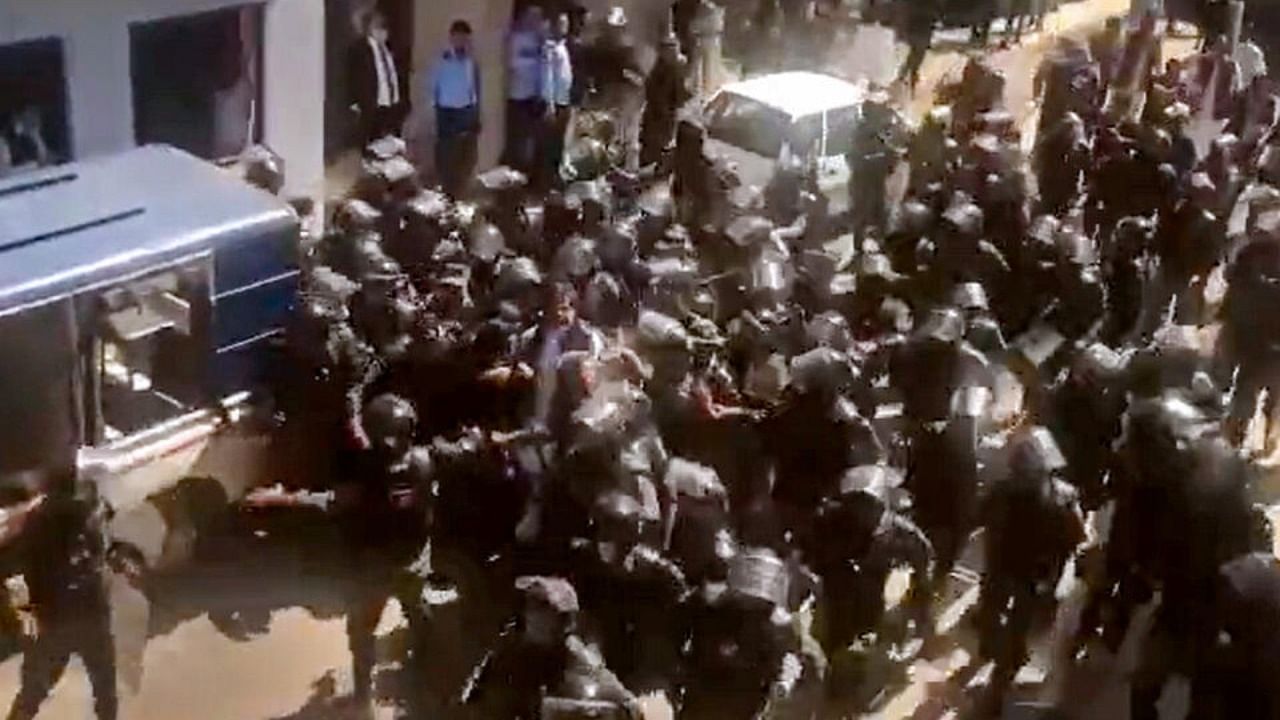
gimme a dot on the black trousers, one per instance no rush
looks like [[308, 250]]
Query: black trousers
[[523, 134], [379, 122], [553, 143], [378, 574], [457, 136], [85, 630]]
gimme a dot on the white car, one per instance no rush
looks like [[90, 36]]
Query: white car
[[756, 123]]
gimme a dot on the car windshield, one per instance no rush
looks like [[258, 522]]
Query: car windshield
[[748, 124]]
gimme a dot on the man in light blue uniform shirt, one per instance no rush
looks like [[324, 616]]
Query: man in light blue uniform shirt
[[455, 91], [525, 107], [557, 93]]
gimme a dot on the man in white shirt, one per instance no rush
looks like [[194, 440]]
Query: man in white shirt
[[525, 109], [455, 93], [557, 87], [377, 84], [1251, 60]]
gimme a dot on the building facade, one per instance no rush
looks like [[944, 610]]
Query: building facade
[[212, 76], [207, 75]]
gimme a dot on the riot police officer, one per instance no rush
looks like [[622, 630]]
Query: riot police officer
[[1250, 334], [875, 152], [542, 668], [384, 511], [385, 516], [1086, 410], [863, 535], [66, 556], [745, 651], [1034, 525], [666, 90]]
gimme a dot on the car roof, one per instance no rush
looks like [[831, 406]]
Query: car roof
[[799, 94], [70, 228]]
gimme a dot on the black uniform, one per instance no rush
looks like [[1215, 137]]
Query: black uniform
[[1251, 334], [386, 527], [666, 90], [1034, 525], [66, 558], [1235, 681], [860, 540]]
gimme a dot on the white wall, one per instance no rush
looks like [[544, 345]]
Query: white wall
[[293, 92], [95, 35]]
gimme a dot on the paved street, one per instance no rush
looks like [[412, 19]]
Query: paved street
[[257, 633]]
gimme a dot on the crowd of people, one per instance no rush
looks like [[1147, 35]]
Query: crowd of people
[[688, 433], [683, 431]]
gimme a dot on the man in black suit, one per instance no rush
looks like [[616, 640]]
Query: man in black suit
[[380, 94]]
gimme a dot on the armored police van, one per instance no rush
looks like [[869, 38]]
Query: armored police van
[[143, 298]]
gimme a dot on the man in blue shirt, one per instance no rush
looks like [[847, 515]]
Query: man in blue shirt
[[455, 92], [557, 94]]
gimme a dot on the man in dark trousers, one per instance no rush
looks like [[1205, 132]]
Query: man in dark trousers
[[380, 96], [456, 96], [666, 90], [918, 33], [67, 550]]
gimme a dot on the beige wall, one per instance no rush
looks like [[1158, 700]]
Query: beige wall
[[95, 35], [488, 20], [294, 90]]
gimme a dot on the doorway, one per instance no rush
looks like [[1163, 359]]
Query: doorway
[[343, 27]]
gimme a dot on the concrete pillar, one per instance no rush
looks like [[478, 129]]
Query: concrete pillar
[[294, 91], [99, 88]]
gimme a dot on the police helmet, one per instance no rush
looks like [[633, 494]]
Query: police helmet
[[355, 215], [551, 592], [1037, 453], [970, 297], [758, 576], [942, 325], [390, 417], [822, 369], [486, 242], [517, 276]]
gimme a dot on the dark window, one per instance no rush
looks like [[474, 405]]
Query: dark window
[[197, 81], [33, 105]]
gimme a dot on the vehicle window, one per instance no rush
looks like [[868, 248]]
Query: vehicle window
[[147, 357], [748, 124]]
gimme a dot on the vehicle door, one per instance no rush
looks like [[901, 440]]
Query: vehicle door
[[826, 139], [145, 350], [39, 393]]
